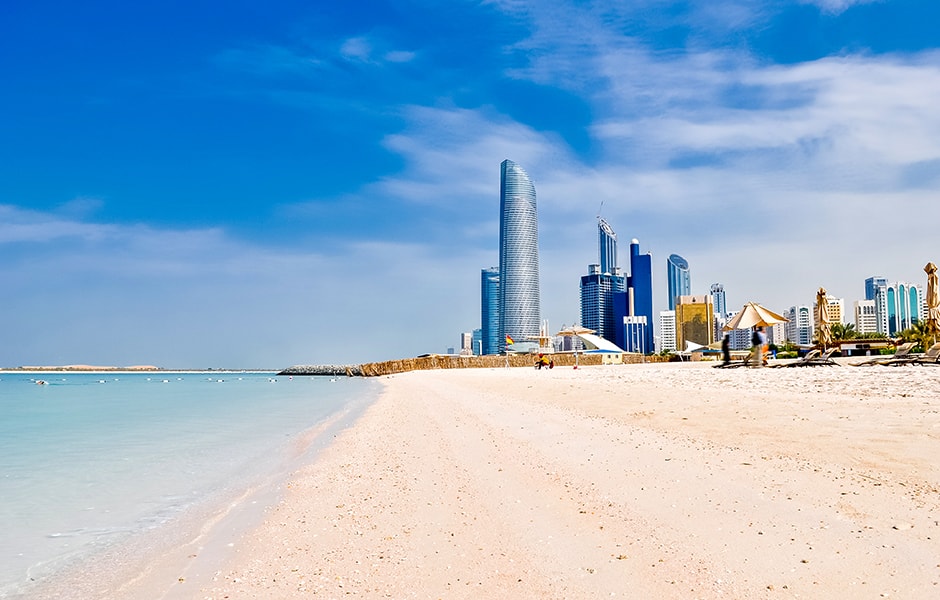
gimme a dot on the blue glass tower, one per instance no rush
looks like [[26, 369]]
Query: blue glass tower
[[489, 318], [636, 305], [519, 310], [600, 284], [678, 279], [641, 280], [872, 284], [607, 246]]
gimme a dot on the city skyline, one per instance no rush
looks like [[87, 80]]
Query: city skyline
[[317, 184]]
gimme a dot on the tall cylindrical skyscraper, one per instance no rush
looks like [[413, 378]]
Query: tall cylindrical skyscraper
[[519, 312], [677, 278]]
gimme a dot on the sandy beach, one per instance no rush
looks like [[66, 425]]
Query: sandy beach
[[639, 481]]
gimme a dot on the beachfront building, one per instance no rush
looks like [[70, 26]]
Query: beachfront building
[[800, 325], [667, 331], [904, 306], [881, 309], [720, 304], [695, 316], [489, 317], [835, 309], [597, 300], [636, 335], [677, 278], [466, 343], [600, 284], [866, 318], [876, 289], [739, 339], [873, 285], [519, 306]]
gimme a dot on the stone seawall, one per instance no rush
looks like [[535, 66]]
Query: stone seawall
[[437, 361]]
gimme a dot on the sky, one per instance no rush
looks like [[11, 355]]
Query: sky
[[208, 184]]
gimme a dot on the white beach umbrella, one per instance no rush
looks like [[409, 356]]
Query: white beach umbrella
[[573, 331]]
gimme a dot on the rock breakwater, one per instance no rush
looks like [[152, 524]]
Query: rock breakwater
[[439, 361]]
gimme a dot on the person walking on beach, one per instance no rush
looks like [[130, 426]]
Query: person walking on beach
[[759, 340], [726, 350]]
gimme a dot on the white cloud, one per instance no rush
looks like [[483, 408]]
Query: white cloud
[[400, 56], [356, 48], [835, 7]]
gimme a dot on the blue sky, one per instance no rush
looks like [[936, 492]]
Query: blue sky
[[238, 184]]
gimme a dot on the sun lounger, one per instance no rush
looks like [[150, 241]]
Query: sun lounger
[[901, 352], [813, 358], [930, 357], [747, 362], [733, 364]]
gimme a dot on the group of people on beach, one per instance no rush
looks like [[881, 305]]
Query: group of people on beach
[[759, 348], [544, 361]]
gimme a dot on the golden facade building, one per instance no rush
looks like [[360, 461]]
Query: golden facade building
[[695, 317]]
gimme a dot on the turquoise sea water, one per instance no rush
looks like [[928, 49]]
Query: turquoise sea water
[[90, 460]]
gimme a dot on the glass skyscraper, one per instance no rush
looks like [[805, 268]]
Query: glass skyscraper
[[519, 310], [489, 319], [600, 284], [633, 309], [677, 277], [872, 285], [607, 247]]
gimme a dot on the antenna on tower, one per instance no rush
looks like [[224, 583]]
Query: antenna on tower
[[599, 209]]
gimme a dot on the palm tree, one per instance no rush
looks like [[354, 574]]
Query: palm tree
[[842, 332], [919, 334]]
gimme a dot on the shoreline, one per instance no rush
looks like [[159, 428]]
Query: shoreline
[[189, 544], [670, 480]]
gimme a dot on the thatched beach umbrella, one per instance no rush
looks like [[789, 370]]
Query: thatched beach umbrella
[[754, 315], [932, 301], [824, 334]]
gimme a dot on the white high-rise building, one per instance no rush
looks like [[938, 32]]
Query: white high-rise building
[[800, 327], [866, 316], [667, 330], [466, 343], [738, 339]]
